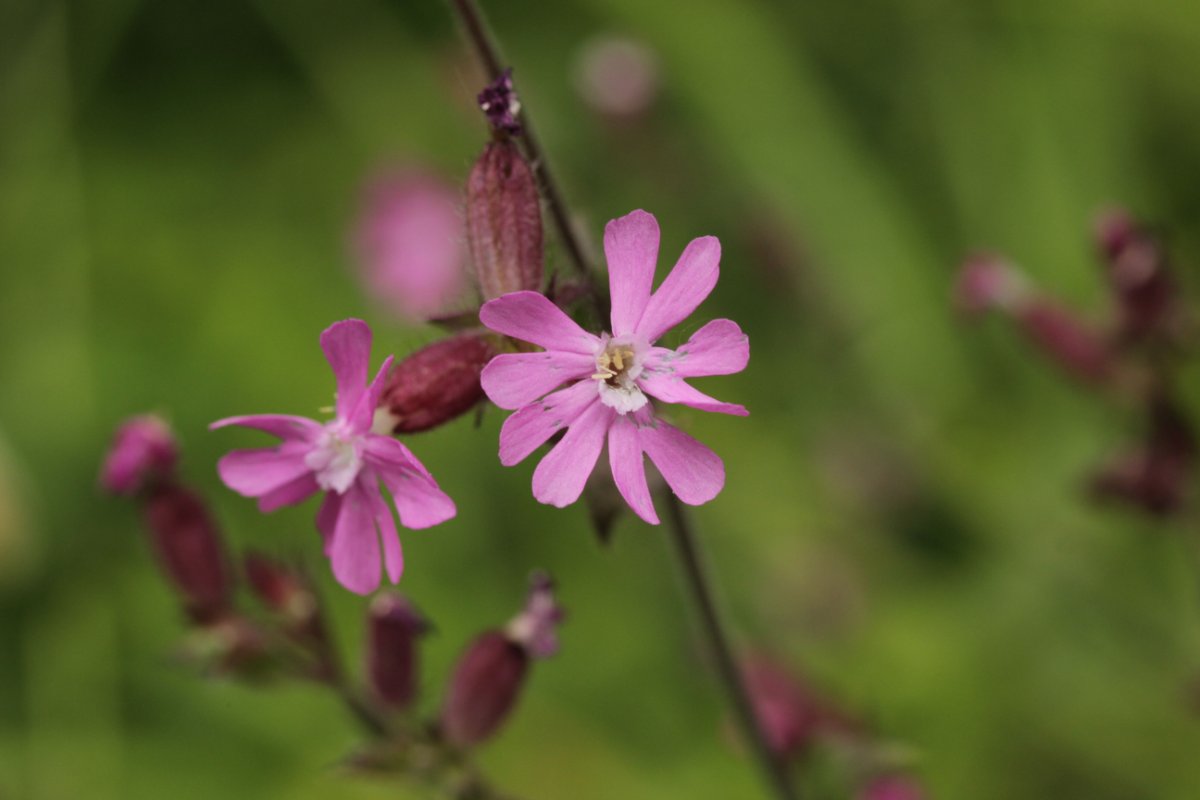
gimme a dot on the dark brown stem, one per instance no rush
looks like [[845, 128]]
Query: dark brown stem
[[485, 47], [700, 592]]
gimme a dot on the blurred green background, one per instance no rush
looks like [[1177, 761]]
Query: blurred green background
[[902, 519]]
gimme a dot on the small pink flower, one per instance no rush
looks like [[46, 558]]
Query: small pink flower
[[612, 377], [410, 244], [347, 460], [142, 451]]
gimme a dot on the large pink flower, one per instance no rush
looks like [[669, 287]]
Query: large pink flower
[[612, 376], [348, 461]]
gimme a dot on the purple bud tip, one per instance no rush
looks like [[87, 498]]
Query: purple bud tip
[[499, 103], [536, 627], [143, 449], [987, 282], [892, 787], [394, 626]]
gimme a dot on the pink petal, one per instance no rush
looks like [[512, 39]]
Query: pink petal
[[694, 472], [559, 478], [529, 428], [354, 550], [347, 346], [629, 468], [364, 412], [511, 380], [670, 389], [694, 276], [631, 249], [531, 317], [420, 502], [327, 517], [393, 556], [254, 473], [719, 348], [289, 494], [282, 425]]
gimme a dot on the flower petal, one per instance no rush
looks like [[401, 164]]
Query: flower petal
[[354, 550], [693, 471], [529, 428], [289, 494], [327, 517], [284, 426], [531, 317], [364, 412], [561, 475], [419, 501], [254, 473], [512, 380], [631, 249], [719, 348], [347, 346], [694, 276], [670, 389], [629, 467], [393, 555]]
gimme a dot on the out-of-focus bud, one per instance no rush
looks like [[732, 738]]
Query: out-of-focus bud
[[279, 588], [501, 106], [1139, 275], [504, 222], [393, 628], [892, 787], [617, 77], [787, 712], [409, 244], [990, 283], [434, 385], [143, 451], [488, 678], [189, 550], [1156, 476]]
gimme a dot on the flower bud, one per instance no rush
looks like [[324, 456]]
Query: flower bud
[[279, 587], [787, 712], [434, 385], [1139, 276], [143, 450], [409, 245], [1080, 350], [500, 105], [189, 550], [489, 676], [393, 627], [504, 222], [1156, 476], [892, 787]]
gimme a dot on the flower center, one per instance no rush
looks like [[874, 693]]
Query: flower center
[[618, 363], [614, 364], [336, 458]]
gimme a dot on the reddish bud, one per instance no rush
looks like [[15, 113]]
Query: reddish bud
[[393, 628], [434, 385], [143, 450], [1079, 349], [504, 222], [786, 710], [892, 787], [1156, 476], [279, 587], [1138, 274], [189, 550], [500, 105], [484, 689]]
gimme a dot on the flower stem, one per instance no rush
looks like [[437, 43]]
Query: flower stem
[[485, 47], [700, 590]]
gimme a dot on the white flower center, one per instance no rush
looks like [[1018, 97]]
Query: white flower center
[[618, 363], [336, 459]]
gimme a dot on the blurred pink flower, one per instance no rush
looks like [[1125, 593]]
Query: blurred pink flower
[[143, 449], [409, 244], [613, 376], [347, 460], [892, 787]]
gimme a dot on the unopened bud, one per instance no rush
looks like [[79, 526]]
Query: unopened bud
[[189, 550], [1156, 476], [1139, 276], [892, 787], [489, 676], [504, 222], [393, 628], [501, 106], [788, 714], [279, 587], [434, 385], [987, 282], [1079, 349], [143, 450]]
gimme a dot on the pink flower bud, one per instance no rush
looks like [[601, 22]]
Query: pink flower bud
[[787, 712], [436, 384], [1156, 476], [1079, 349], [393, 627], [484, 689], [892, 787], [409, 245], [189, 550], [504, 222], [143, 450], [1138, 273], [536, 627], [987, 282]]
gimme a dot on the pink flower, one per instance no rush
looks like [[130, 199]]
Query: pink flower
[[612, 377], [143, 450], [347, 460], [410, 245]]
